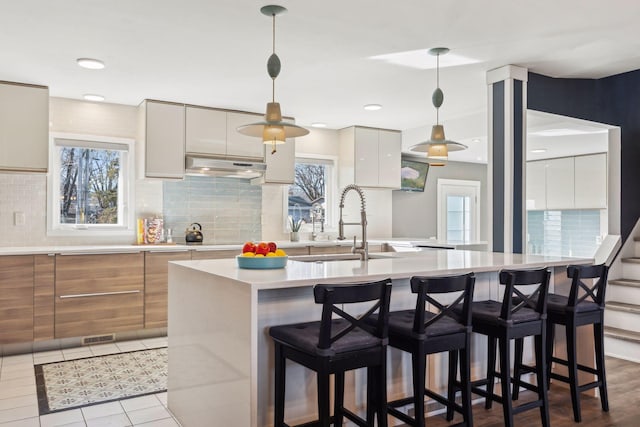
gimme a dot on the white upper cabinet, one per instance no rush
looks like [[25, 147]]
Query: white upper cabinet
[[281, 164], [214, 132], [370, 157], [206, 131], [591, 181], [536, 193], [567, 183], [239, 145], [24, 127], [161, 143], [559, 185], [366, 157], [389, 152]]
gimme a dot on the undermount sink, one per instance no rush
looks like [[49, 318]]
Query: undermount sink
[[335, 257]]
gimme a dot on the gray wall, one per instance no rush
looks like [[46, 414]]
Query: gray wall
[[414, 214]]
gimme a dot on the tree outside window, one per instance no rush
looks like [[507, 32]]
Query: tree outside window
[[308, 193], [89, 186]]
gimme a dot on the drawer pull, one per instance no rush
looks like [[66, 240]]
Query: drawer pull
[[100, 253], [99, 294]]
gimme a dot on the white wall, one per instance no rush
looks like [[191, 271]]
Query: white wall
[[27, 192], [414, 214]]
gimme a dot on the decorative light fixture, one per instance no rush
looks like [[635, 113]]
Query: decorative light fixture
[[273, 130], [438, 147]]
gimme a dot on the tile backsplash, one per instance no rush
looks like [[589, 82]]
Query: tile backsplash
[[568, 232], [228, 209], [23, 193]]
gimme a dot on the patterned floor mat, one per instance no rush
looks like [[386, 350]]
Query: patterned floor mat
[[82, 382]]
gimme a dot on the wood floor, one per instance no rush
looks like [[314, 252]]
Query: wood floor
[[624, 404]]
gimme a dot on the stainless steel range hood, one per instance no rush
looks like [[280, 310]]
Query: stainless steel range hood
[[225, 168]]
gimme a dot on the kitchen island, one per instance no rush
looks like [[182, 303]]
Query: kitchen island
[[220, 354]]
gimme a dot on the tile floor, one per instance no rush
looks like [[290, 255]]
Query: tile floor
[[19, 402]]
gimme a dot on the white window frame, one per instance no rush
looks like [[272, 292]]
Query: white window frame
[[126, 177], [441, 216], [330, 220]]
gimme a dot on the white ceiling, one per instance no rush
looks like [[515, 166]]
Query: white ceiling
[[214, 53]]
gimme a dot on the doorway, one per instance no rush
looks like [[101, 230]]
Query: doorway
[[458, 208]]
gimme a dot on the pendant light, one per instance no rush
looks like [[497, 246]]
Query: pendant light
[[438, 147], [273, 130]]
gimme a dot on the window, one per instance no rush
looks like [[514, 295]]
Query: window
[[458, 210], [310, 197], [89, 185]]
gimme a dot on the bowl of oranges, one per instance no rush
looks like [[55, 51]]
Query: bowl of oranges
[[262, 256]]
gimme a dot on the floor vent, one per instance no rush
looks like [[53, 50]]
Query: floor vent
[[98, 339]]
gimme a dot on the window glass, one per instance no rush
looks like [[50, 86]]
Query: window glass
[[89, 186], [308, 196]]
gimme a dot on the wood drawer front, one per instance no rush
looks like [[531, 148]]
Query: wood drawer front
[[16, 299], [297, 251], [78, 317], [214, 254], [86, 274], [156, 272], [44, 298], [315, 250], [98, 294]]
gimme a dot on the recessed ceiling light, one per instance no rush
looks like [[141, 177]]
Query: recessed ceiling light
[[93, 97], [92, 64], [372, 107], [475, 140], [539, 150], [319, 125]]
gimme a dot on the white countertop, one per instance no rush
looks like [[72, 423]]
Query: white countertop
[[395, 266], [105, 249]]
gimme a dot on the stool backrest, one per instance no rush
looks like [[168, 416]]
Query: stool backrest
[[426, 287], [593, 293], [536, 299], [330, 296]]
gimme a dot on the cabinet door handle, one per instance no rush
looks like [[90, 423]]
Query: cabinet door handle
[[99, 294], [168, 252]]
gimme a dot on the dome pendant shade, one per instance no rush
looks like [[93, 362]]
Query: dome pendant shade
[[438, 146], [273, 121], [273, 130]]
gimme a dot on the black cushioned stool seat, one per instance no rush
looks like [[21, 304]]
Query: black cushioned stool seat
[[336, 345], [584, 306], [422, 332]]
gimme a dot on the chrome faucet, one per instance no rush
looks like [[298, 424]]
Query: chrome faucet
[[363, 249]]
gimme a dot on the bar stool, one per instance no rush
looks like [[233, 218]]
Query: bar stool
[[334, 346], [514, 318], [422, 332], [583, 306]]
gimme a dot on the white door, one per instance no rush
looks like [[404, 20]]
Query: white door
[[458, 214]]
